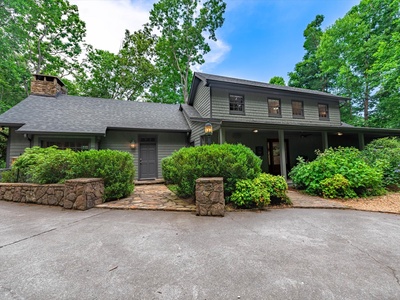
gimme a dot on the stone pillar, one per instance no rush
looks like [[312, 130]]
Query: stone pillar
[[210, 199], [83, 193]]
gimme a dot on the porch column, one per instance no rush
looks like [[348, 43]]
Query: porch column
[[282, 152], [324, 140], [361, 142], [221, 135]]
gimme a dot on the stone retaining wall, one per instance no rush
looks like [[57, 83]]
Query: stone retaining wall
[[210, 199], [81, 193]]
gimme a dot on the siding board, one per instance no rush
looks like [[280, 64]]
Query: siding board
[[18, 144], [202, 100], [166, 144], [256, 108]]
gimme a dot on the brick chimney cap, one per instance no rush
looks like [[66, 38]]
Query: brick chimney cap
[[48, 78]]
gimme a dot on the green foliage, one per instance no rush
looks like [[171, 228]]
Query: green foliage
[[385, 154], [307, 73], [278, 80], [232, 162], [184, 28], [259, 192], [249, 193], [50, 165], [337, 187], [115, 167], [36, 36], [348, 162]]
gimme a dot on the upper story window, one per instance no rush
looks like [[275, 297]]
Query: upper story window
[[323, 111], [236, 104], [298, 109], [274, 108]]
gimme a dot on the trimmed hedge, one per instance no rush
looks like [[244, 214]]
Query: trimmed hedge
[[232, 162], [51, 165]]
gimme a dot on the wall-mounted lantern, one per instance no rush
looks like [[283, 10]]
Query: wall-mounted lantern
[[133, 144], [208, 131]]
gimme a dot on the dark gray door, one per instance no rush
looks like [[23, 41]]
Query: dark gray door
[[147, 158]]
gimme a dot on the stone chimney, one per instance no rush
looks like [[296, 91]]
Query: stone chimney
[[46, 85]]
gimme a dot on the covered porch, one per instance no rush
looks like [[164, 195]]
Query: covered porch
[[279, 146]]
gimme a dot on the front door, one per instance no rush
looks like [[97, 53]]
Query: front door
[[147, 158], [274, 157]]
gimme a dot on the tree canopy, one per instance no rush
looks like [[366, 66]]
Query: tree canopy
[[357, 57]]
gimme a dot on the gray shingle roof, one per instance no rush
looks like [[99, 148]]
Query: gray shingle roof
[[209, 77], [73, 114]]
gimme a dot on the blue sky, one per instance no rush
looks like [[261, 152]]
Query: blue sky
[[259, 39]]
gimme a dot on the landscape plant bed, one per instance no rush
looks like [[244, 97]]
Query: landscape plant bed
[[389, 203]]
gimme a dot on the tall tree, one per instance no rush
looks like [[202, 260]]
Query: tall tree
[[348, 50], [277, 80], [126, 75], [37, 36], [307, 73], [182, 43]]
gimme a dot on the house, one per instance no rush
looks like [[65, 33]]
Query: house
[[279, 123]]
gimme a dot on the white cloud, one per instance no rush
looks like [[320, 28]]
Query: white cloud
[[219, 50], [107, 20]]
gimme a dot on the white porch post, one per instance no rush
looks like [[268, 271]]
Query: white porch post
[[221, 135], [282, 152], [325, 144], [361, 142]]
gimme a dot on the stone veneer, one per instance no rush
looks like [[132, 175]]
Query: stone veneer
[[47, 86], [81, 193], [210, 199]]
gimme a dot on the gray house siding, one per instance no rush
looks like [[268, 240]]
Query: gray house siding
[[256, 108], [18, 144], [166, 144], [202, 100]]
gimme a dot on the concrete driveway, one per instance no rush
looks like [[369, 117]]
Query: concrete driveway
[[50, 253]]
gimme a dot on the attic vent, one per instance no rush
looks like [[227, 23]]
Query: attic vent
[[46, 85]]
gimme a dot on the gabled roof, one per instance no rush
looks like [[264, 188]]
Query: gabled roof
[[210, 79], [80, 115]]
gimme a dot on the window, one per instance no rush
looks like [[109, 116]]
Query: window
[[323, 111], [75, 145], [236, 104], [274, 107], [297, 109]]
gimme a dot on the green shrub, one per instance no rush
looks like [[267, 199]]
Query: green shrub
[[115, 167], [232, 162], [259, 192], [51, 165], [28, 167], [169, 170], [276, 186], [385, 154], [337, 187], [249, 193], [363, 179]]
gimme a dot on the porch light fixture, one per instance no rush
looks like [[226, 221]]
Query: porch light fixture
[[340, 133], [133, 144], [255, 130], [208, 131]]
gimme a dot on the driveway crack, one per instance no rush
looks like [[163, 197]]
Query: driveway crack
[[49, 230]]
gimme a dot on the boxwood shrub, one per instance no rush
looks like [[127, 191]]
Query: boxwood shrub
[[232, 162], [51, 165]]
